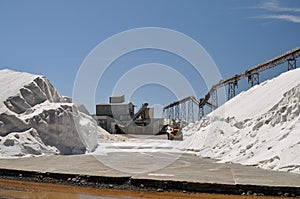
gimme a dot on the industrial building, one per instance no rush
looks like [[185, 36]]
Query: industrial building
[[117, 116], [117, 108]]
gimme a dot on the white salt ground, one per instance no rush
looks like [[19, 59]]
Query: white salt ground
[[259, 127]]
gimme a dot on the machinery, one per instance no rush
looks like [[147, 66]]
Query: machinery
[[118, 117], [140, 119], [173, 130]]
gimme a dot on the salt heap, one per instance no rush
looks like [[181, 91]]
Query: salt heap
[[36, 119], [259, 127]]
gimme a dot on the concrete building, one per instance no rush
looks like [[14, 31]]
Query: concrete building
[[118, 116], [119, 111], [117, 99], [107, 114]]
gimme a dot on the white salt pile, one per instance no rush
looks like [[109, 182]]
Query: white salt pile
[[259, 127], [36, 119]]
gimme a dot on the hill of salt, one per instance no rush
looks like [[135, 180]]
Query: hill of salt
[[259, 127], [35, 119]]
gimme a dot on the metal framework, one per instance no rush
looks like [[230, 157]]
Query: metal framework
[[171, 113], [183, 111], [190, 111], [253, 79], [211, 98], [291, 64], [290, 55], [214, 99], [231, 90], [176, 111], [201, 112], [167, 113]]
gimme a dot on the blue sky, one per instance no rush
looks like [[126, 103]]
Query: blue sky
[[53, 38]]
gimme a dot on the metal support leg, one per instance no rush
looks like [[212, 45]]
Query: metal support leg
[[168, 113], [231, 90], [253, 79], [201, 112], [190, 111], [291, 64], [171, 116], [183, 112], [214, 100], [176, 111]]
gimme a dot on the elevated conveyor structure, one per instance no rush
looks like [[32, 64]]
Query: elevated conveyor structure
[[178, 110], [211, 98], [140, 111]]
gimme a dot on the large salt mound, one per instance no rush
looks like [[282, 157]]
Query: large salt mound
[[259, 127], [36, 119]]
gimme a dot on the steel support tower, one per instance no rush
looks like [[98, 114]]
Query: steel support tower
[[231, 90], [253, 79], [183, 111], [171, 116], [211, 98], [190, 111], [201, 112], [177, 111], [291, 64], [214, 99]]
